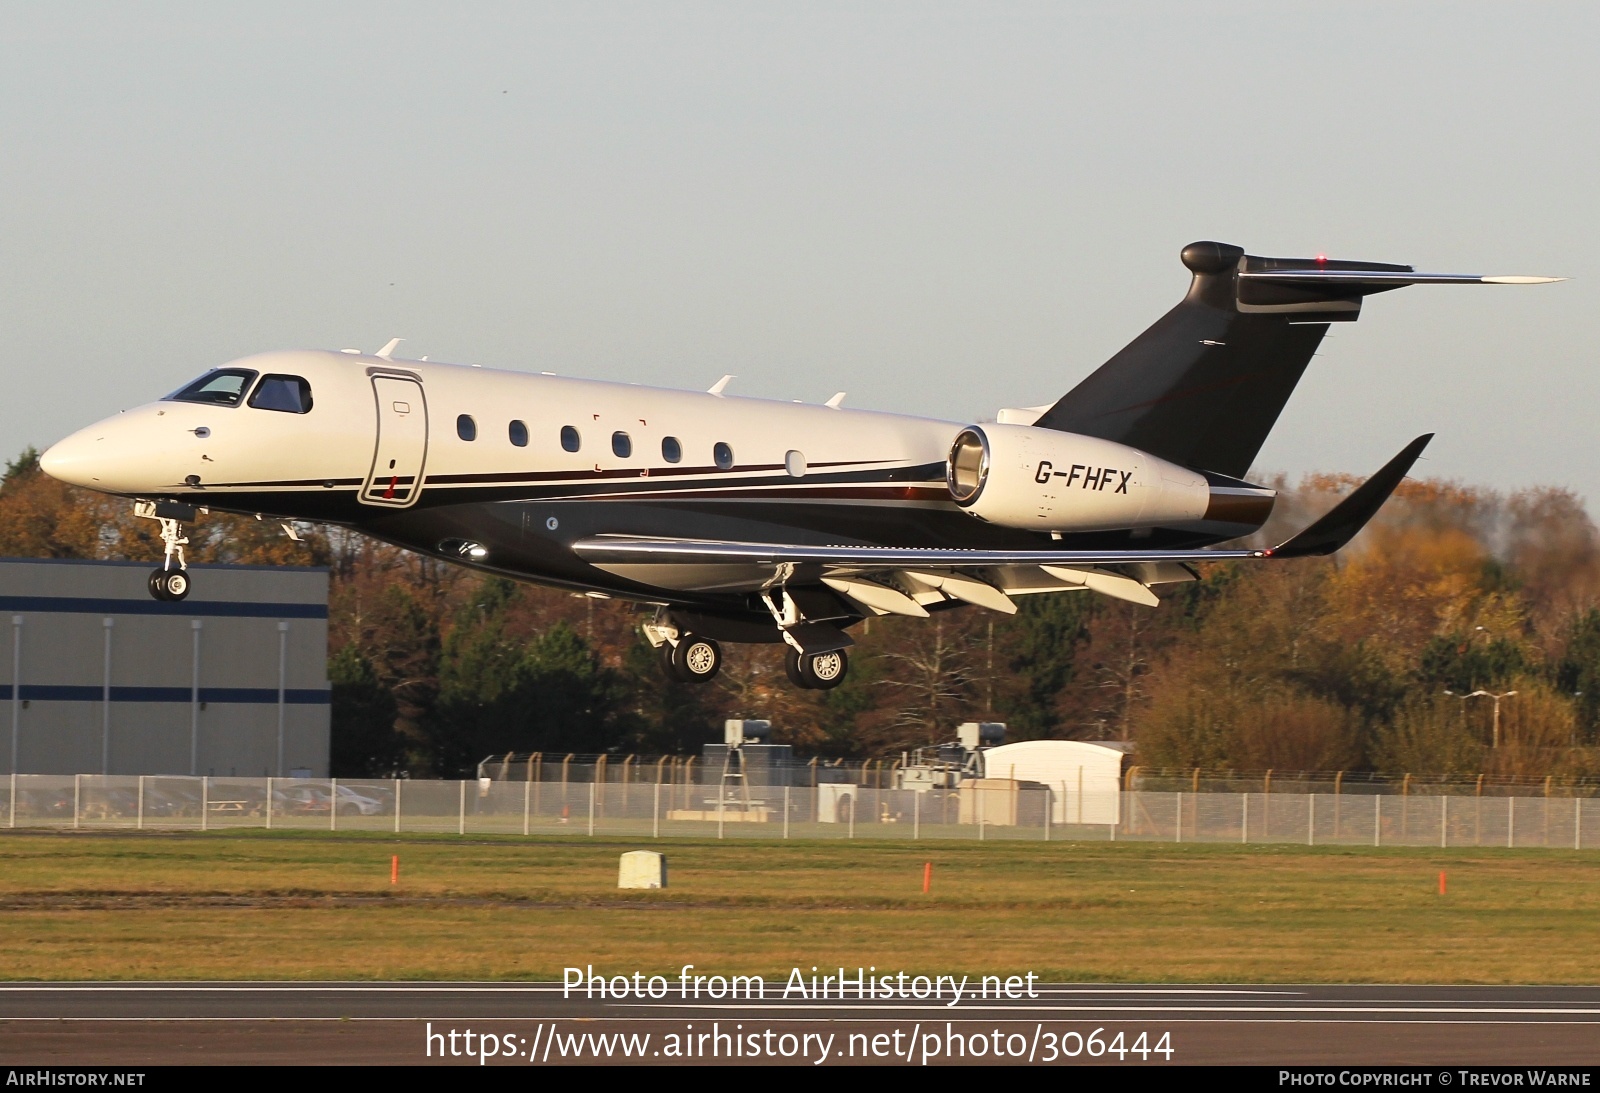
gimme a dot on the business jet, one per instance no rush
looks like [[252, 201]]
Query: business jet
[[749, 520]]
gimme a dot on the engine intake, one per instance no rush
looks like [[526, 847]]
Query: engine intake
[[1019, 476]]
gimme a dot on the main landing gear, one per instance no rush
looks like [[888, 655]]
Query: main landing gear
[[695, 659], [816, 671], [168, 583], [691, 659], [808, 670], [685, 657]]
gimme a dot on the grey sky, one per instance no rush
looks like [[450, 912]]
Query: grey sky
[[941, 208]]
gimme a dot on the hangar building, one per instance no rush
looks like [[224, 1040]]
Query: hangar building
[[100, 678]]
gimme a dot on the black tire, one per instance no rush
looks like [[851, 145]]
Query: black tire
[[696, 659], [156, 584], [664, 652], [842, 807], [791, 668], [825, 671], [173, 584]]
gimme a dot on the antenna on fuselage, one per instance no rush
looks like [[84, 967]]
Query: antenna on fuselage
[[836, 401], [383, 354], [720, 386]]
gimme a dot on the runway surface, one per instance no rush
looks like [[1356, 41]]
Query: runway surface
[[534, 1023]]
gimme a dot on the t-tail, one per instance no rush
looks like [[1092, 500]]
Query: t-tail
[[1203, 387]]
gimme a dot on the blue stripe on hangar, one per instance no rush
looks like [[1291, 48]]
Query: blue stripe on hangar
[[43, 692], [182, 608]]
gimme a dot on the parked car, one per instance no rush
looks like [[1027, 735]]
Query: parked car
[[362, 801], [304, 799], [53, 803], [313, 799]]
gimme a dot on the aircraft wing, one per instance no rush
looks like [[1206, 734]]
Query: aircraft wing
[[906, 580], [619, 549], [892, 580]]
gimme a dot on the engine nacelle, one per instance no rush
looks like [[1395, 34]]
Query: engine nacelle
[[1019, 476]]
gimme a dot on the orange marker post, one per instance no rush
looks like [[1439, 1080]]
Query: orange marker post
[[927, 876], [394, 869], [1441, 882]]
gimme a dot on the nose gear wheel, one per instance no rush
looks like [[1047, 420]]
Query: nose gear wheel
[[169, 584]]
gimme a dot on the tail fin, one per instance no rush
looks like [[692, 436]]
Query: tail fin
[[1204, 385]]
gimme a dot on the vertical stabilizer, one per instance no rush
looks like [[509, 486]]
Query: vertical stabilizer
[[1205, 384]]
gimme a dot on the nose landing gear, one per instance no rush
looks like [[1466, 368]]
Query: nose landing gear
[[168, 583]]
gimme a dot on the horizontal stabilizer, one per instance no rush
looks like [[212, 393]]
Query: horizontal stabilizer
[[1386, 278], [1341, 523]]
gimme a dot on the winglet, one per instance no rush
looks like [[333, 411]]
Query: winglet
[[720, 386], [836, 401], [1341, 523], [383, 354]]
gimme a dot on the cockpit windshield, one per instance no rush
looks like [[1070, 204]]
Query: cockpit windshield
[[218, 387], [291, 394]]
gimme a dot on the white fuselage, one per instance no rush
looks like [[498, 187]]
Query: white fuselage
[[507, 471], [249, 454]]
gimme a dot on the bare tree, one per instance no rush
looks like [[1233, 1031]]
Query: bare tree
[[933, 668], [1124, 659]]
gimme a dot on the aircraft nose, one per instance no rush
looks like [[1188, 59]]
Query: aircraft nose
[[75, 460]]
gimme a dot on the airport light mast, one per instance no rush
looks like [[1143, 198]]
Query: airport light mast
[[1495, 736]]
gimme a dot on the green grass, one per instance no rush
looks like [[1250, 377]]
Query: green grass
[[320, 906]]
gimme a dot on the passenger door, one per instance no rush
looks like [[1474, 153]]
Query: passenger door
[[396, 476]]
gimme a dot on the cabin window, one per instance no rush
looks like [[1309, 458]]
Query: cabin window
[[219, 387], [466, 428], [290, 394], [570, 441], [723, 456], [671, 450], [621, 445], [519, 434]]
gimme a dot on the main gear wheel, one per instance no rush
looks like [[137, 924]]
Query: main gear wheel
[[695, 659], [816, 671]]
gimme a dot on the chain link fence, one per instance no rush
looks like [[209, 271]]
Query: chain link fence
[[988, 809], [882, 773]]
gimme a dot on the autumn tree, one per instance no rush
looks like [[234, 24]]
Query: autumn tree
[[1340, 663]]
